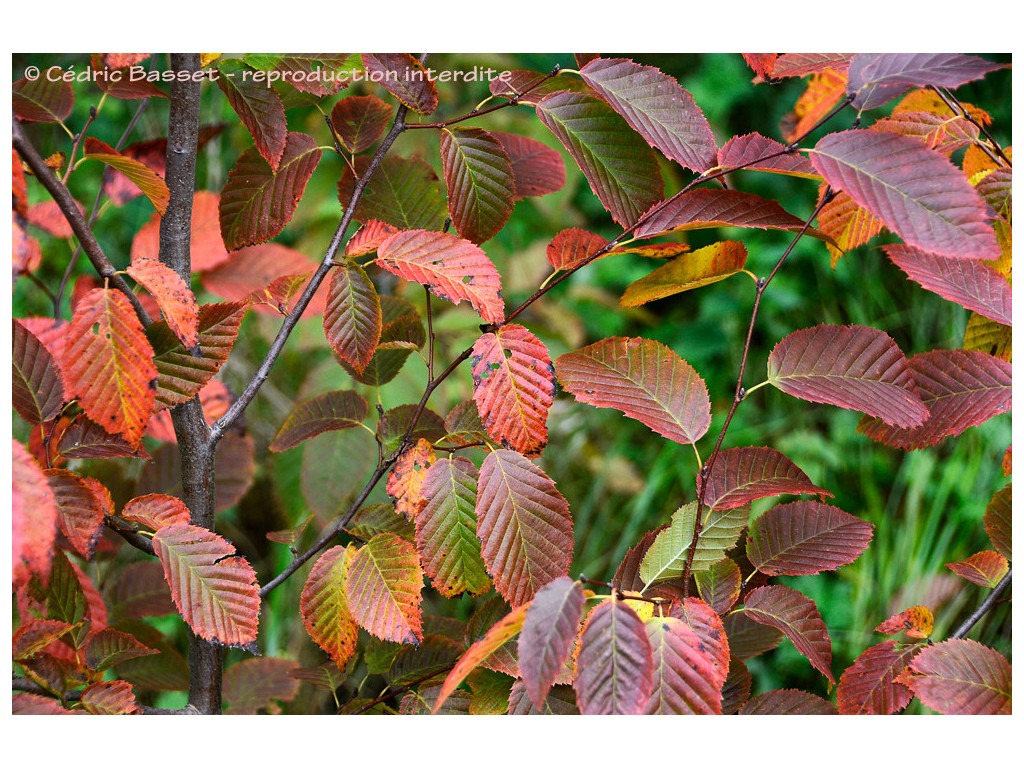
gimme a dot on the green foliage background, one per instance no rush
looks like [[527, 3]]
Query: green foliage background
[[620, 479]]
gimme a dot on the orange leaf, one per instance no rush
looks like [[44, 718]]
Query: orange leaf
[[405, 482], [986, 569], [916, 622], [174, 297], [383, 586], [144, 177], [34, 512]]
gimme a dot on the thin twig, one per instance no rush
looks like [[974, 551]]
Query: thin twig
[[986, 605]]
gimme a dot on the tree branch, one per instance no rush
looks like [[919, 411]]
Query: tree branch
[[986, 605]]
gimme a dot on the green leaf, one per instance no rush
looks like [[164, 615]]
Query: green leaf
[[478, 174], [403, 192], [329, 411], [666, 559]]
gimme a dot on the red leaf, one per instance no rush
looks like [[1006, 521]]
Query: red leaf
[[47, 99], [970, 284], [144, 177], [695, 270], [108, 364], [645, 380], [986, 569], [31, 704], [800, 64], [35, 634], [756, 153], [214, 398], [478, 175], [450, 267], [868, 686], [255, 268], [38, 393], [258, 107], [788, 702], [749, 639], [854, 367], [383, 587], [259, 684], [48, 216], [27, 253], [82, 504], [82, 438], [514, 387], [561, 700], [657, 108], [549, 631], [213, 587], [572, 247], [959, 388], [961, 677], [739, 475], [805, 537], [622, 169], [916, 622], [999, 520], [108, 647], [156, 511], [177, 304], [446, 528], [917, 192], [708, 626], [405, 481], [257, 202], [404, 77], [798, 618], [206, 247], [352, 316], [536, 168], [761, 63], [359, 121], [524, 524], [686, 682], [877, 78], [111, 698], [368, 238], [325, 608], [736, 690], [615, 666], [329, 411]]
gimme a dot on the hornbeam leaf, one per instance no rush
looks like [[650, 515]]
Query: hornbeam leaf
[[383, 587], [513, 386], [446, 529], [960, 390], [81, 507], [798, 618], [524, 524], [788, 702], [645, 380], [536, 168], [175, 299], [82, 438], [35, 634], [206, 247], [34, 516], [108, 364], [999, 521], [986, 568], [478, 175], [622, 169], [368, 238], [739, 475], [869, 687], [961, 677], [404, 77], [108, 647], [736, 690], [405, 481], [495, 638], [403, 192], [144, 177], [359, 121], [156, 511], [329, 411], [877, 78], [800, 64], [854, 367], [47, 99], [916, 622], [214, 587], [708, 626], [720, 528], [684, 677], [969, 283], [549, 630], [180, 374], [704, 208], [917, 192], [571, 247], [847, 223], [258, 107], [561, 700], [251, 273], [756, 153], [694, 270], [36, 385], [259, 684], [719, 586], [657, 108], [324, 606], [116, 697], [805, 537], [257, 202], [429, 660], [615, 666], [452, 268]]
